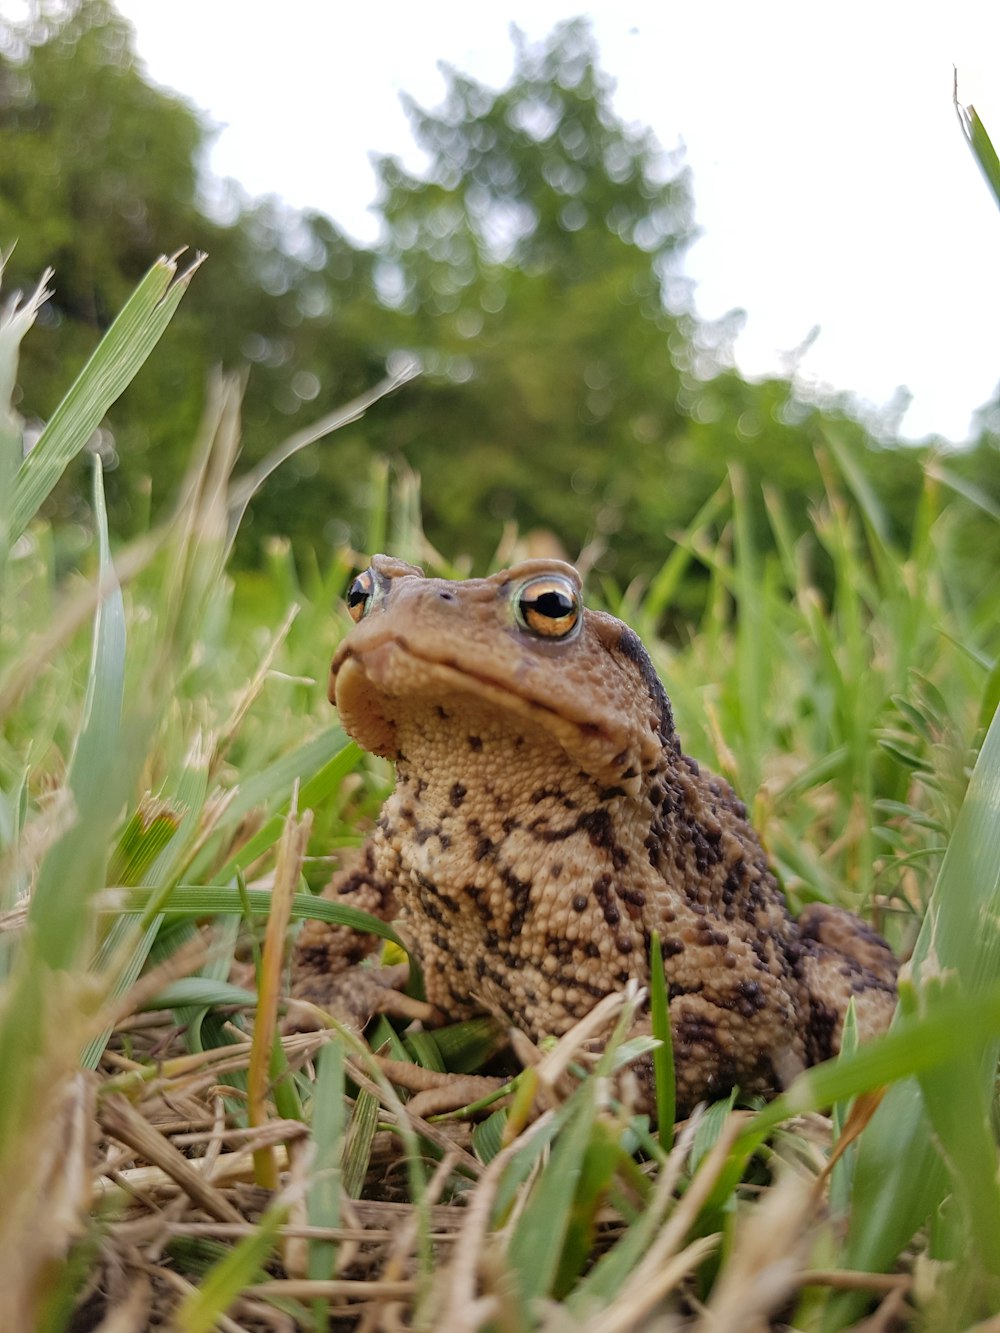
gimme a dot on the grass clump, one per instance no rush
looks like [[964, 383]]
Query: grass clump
[[171, 786]]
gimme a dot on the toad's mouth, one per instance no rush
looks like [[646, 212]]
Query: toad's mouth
[[373, 688]]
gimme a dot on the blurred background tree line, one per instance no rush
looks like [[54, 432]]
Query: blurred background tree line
[[533, 271]]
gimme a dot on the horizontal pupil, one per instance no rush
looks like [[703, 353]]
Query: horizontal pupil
[[553, 605]]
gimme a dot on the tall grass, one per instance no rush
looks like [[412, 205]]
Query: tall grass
[[171, 786]]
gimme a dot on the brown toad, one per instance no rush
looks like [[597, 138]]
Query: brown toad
[[545, 822]]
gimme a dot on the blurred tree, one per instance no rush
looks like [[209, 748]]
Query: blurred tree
[[528, 272], [534, 271], [100, 173]]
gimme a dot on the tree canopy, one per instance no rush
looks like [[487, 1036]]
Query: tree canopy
[[534, 271]]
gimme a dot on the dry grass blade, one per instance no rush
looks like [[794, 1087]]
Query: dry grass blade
[[400, 1255], [245, 487], [119, 1118], [132, 1314], [311, 1289], [230, 728], [461, 1310], [291, 852], [39, 1222], [761, 1269], [631, 1309], [664, 1264]]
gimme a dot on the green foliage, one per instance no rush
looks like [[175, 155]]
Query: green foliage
[[157, 731], [534, 271], [850, 715], [99, 173]]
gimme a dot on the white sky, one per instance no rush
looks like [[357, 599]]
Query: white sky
[[832, 184]]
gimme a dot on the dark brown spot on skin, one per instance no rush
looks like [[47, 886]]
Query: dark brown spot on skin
[[752, 996], [695, 1029], [822, 1024], [605, 898], [519, 887], [457, 794], [597, 825], [624, 943], [441, 713], [475, 743], [481, 899], [579, 903]]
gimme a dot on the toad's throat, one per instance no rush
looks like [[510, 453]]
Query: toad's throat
[[374, 688]]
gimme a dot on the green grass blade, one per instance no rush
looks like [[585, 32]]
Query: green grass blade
[[328, 1126], [199, 900], [200, 992], [487, 1136], [15, 321], [303, 763], [536, 1246], [980, 144], [601, 1159], [663, 1055], [312, 794], [958, 1101], [465, 1047], [360, 1137], [114, 364], [666, 583], [74, 869], [125, 939], [899, 1177], [842, 1175], [200, 1311]]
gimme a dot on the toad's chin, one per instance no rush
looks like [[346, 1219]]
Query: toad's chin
[[371, 689]]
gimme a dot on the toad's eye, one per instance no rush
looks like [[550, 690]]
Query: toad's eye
[[361, 595], [549, 606]]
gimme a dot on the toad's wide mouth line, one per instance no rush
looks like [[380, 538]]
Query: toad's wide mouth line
[[497, 691]]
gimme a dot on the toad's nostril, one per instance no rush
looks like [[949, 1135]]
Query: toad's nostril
[[446, 596]]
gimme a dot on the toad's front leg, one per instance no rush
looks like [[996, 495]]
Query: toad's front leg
[[329, 970]]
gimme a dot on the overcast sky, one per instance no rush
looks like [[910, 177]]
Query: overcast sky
[[832, 184]]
